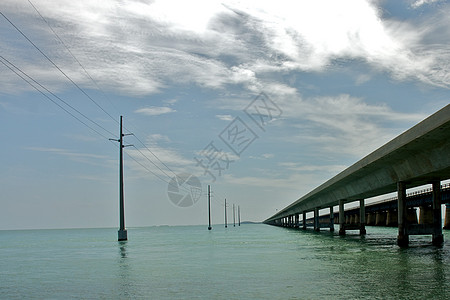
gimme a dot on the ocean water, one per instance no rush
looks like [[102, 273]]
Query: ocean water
[[253, 261]]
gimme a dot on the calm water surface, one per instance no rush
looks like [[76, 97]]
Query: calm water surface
[[247, 262]]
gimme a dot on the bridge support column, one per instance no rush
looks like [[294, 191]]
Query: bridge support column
[[392, 218], [402, 238], [356, 219], [297, 221], [331, 219], [341, 218], [380, 218], [304, 220], [362, 217], [412, 216], [370, 219], [438, 238], [316, 219], [447, 216], [425, 215]]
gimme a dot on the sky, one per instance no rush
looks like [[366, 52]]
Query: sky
[[261, 100]]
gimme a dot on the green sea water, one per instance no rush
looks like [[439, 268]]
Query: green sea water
[[248, 262]]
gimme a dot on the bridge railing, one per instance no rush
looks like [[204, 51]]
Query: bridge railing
[[415, 193]]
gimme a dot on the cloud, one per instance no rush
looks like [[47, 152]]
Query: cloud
[[154, 111], [225, 117], [142, 48], [298, 181], [298, 167], [156, 161], [342, 124], [154, 138], [264, 156], [420, 3], [171, 101], [88, 158]]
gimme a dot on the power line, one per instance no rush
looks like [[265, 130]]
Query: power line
[[73, 56], [98, 87], [45, 95], [156, 158], [56, 66], [79, 88], [151, 160], [139, 163]]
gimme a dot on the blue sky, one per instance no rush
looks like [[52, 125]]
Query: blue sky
[[345, 77]]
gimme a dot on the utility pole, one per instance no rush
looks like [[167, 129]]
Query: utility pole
[[209, 207], [239, 215], [226, 213], [122, 234], [234, 217]]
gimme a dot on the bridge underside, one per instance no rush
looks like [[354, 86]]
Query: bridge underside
[[418, 156]]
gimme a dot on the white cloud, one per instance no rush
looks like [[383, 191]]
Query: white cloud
[[298, 167], [171, 101], [264, 156], [154, 110], [87, 158], [139, 48], [154, 138], [66, 152], [225, 117], [420, 3], [343, 124], [156, 161]]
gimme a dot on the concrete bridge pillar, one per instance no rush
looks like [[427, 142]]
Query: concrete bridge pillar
[[380, 218], [371, 219], [412, 216], [403, 237], [331, 219], [392, 218], [438, 238], [362, 217], [297, 221], [447, 216], [316, 219], [341, 218], [425, 215], [348, 219], [304, 220], [355, 219]]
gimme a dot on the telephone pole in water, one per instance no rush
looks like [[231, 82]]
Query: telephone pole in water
[[234, 217], [122, 234], [226, 213], [239, 215], [209, 207]]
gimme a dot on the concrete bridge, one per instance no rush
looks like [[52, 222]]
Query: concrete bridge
[[384, 212], [419, 156]]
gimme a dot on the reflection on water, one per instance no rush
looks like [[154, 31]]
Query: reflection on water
[[123, 249], [247, 262], [125, 283]]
